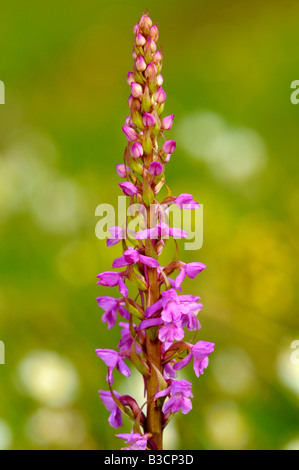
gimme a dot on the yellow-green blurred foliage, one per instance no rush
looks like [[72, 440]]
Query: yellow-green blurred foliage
[[228, 66]]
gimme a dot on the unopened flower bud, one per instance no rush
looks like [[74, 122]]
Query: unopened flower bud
[[130, 78], [136, 150], [159, 95], [158, 57], [130, 101], [122, 170], [149, 49], [159, 80], [151, 71], [145, 24], [167, 122], [136, 28], [169, 146], [154, 32], [128, 121], [140, 64], [160, 247], [148, 120], [129, 189], [136, 89], [130, 134], [155, 168], [140, 40]]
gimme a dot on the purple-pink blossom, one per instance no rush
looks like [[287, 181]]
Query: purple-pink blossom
[[199, 352], [135, 439], [115, 418], [113, 360], [187, 269], [161, 230], [117, 234], [111, 279], [132, 256], [180, 394], [111, 306]]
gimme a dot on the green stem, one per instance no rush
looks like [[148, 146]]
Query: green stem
[[153, 350]]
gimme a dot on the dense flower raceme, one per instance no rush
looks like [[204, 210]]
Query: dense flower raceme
[[153, 324]]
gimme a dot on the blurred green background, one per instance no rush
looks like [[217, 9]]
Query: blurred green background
[[228, 66]]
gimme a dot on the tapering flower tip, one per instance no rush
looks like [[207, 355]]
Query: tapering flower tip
[[159, 96], [149, 120], [122, 170], [130, 78], [136, 150], [158, 57], [130, 134], [159, 80], [151, 71], [145, 24], [167, 122], [155, 168], [140, 64], [128, 189], [154, 32], [140, 40], [136, 89], [169, 146]]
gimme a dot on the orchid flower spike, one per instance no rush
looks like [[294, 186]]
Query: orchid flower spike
[[149, 307]]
